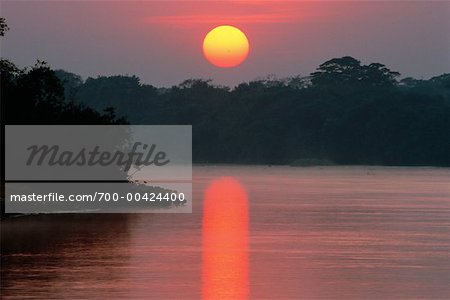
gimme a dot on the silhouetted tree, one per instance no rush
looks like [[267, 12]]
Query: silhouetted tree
[[338, 71], [348, 70], [71, 83], [3, 26], [36, 96]]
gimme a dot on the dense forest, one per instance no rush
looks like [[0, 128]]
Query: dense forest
[[343, 113]]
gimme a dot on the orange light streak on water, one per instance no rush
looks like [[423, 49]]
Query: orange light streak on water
[[225, 241]]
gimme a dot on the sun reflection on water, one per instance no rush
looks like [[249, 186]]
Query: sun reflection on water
[[225, 241]]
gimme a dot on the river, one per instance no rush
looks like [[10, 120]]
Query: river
[[312, 233]]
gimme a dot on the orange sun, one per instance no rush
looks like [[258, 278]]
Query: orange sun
[[225, 46]]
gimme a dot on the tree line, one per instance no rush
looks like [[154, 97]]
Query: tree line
[[345, 113]]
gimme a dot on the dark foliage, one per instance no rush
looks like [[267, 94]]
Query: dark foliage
[[345, 112], [37, 96], [3, 26]]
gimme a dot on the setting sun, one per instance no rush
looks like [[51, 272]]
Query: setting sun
[[225, 46]]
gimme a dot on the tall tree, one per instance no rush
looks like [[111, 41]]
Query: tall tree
[[3, 26], [348, 70]]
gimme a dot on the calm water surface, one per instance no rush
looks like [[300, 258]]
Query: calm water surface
[[314, 233]]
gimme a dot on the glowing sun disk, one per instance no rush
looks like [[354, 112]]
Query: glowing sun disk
[[226, 46]]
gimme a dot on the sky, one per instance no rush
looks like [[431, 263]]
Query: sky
[[161, 42]]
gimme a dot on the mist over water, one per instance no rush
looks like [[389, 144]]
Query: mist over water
[[314, 233]]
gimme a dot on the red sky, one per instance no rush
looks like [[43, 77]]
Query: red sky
[[161, 41]]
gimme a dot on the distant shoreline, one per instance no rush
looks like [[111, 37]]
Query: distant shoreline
[[209, 164]]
